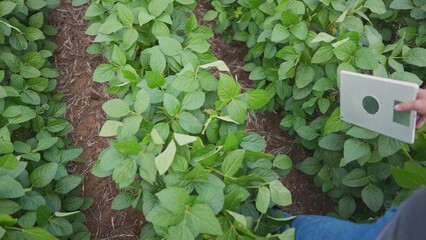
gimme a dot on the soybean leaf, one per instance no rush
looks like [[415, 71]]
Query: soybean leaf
[[36, 233], [125, 15], [122, 201], [165, 159], [182, 139], [334, 123], [60, 226], [169, 46], [332, 142], [194, 100], [142, 101], [156, 7], [356, 178], [68, 183], [372, 197], [104, 73], [237, 110], [118, 57], [171, 104], [253, 142], [376, 6], [116, 108], [180, 231], [190, 123], [232, 162], [256, 99], [388, 146], [10, 188], [46, 143], [262, 199], [347, 206], [354, 149], [154, 79], [43, 175], [307, 132], [282, 162], [204, 220], [280, 195], [6, 7], [227, 87], [323, 54], [416, 56]]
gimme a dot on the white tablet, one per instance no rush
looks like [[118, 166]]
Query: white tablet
[[369, 101]]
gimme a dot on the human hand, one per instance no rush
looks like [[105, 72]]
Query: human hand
[[418, 105]]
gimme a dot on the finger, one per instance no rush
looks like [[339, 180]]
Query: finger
[[421, 93], [406, 106], [421, 121]]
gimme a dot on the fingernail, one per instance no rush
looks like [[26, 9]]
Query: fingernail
[[397, 107]]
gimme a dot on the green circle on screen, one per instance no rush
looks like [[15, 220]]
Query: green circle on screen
[[370, 105]]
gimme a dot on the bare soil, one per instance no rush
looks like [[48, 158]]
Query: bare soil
[[84, 100]]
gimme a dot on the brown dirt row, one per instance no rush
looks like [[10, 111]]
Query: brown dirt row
[[84, 100]]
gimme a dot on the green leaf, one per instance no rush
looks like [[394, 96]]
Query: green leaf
[[154, 79], [182, 139], [8, 207], [125, 15], [388, 146], [304, 75], [361, 133], [8, 161], [60, 227], [227, 88], [110, 128], [142, 101], [116, 108], [232, 162], [372, 197], [104, 73], [220, 65], [307, 132], [43, 175], [186, 82], [300, 30], [332, 142], [130, 36], [68, 183], [347, 206], [310, 166], [256, 99], [282, 162], [144, 17], [122, 201], [171, 105], [366, 59], [170, 46], [356, 178], [35, 233], [6, 7], [10, 188], [323, 54], [210, 15], [237, 110], [43, 214], [262, 199], [156, 7], [180, 231], [334, 123], [194, 100], [415, 56], [322, 37], [157, 62], [128, 146], [401, 4], [407, 179], [174, 199], [33, 34], [280, 195], [77, 3], [254, 142], [165, 159], [203, 219], [29, 72], [354, 149], [279, 33], [36, 4], [111, 25], [376, 6], [46, 143], [345, 51], [190, 123], [118, 57]]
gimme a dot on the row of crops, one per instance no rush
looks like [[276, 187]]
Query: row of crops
[[39, 199], [179, 151]]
